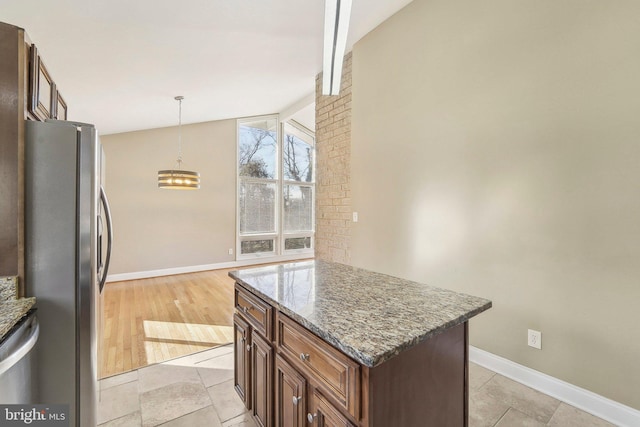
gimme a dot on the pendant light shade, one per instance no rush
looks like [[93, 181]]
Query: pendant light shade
[[179, 179]]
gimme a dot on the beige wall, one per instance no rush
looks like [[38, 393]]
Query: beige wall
[[158, 229], [333, 153], [496, 151]]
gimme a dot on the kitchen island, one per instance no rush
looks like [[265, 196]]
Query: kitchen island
[[320, 343]]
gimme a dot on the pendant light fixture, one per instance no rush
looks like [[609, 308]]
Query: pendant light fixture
[[178, 179]]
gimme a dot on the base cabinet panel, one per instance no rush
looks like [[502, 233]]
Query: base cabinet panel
[[323, 414], [241, 361], [291, 395], [261, 381]]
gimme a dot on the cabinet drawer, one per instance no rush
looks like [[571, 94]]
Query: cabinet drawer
[[337, 375], [257, 312]]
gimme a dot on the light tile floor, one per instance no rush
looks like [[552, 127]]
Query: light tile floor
[[197, 390]]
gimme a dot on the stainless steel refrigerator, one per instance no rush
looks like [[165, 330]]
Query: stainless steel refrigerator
[[66, 216]]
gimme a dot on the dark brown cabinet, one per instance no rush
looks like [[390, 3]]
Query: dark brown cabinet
[[14, 48], [42, 89], [45, 100], [61, 107], [262, 380], [324, 414], [254, 364], [28, 93], [241, 360], [291, 395], [279, 392], [336, 374]]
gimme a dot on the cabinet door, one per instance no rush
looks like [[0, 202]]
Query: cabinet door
[[42, 96], [241, 359], [291, 395], [262, 380], [324, 414], [61, 107]]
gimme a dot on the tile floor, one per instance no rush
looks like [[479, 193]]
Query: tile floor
[[197, 390]]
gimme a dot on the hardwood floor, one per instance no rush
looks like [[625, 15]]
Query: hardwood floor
[[151, 320]]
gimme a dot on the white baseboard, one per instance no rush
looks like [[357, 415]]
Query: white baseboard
[[195, 268], [607, 409]]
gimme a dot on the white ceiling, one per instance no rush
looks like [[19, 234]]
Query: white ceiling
[[119, 63]]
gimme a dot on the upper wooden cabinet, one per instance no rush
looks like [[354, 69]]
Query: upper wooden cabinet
[[45, 101], [28, 93], [13, 75], [61, 107]]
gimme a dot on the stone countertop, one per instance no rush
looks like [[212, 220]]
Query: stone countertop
[[369, 316], [11, 311]]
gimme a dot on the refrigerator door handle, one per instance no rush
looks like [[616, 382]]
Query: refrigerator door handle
[[107, 213], [99, 257]]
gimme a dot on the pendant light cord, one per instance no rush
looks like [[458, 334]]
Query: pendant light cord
[[179, 99]]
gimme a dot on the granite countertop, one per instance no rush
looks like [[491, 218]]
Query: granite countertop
[[369, 316], [12, 309]]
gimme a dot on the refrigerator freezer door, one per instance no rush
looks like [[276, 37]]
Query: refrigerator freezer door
[[60, 248], [87, 326]]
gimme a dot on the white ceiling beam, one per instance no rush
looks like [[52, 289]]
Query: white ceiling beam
[[337, 14]]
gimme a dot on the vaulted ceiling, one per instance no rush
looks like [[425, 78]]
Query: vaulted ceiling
[[119, 63]]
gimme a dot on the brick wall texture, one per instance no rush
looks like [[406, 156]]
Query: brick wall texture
[[333, 170]]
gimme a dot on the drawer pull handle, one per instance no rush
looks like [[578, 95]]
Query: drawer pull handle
[[296, 399], [247, 309], [248, 347], [304, 356], [311, 417]]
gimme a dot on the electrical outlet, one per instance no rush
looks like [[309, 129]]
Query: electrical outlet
[[230, 251], [355, 217], [534, 339]]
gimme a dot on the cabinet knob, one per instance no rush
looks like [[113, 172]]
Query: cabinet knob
[[311, 417], [304, 356], [248, 347], [247, 309], [296, 399]]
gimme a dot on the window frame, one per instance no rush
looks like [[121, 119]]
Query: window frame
[[279, 236], [299, 128], [239, 180]]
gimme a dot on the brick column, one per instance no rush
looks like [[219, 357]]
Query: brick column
[[333, 170]]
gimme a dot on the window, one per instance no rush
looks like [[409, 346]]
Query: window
[[276, 188], [298, 188], [258, 185]]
